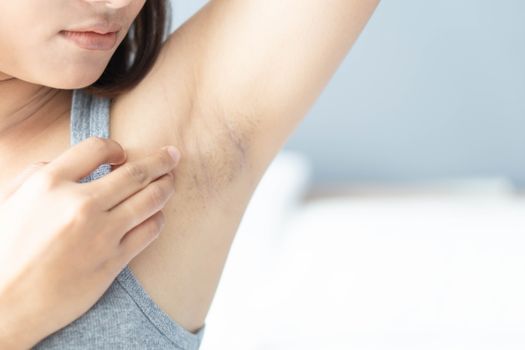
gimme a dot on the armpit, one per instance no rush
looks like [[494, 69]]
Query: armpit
[[216, 149]]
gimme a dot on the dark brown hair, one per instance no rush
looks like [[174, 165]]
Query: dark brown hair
[[137, 52]]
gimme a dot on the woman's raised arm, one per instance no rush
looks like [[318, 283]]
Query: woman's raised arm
[[261, 64], [254, 67]]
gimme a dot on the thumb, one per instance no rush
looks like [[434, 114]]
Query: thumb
[[20, 179]]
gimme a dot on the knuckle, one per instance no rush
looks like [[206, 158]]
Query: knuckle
[[98, 143], [159, 221], [93, 197], [125, 253], [82, 210], [113, 263], [118, 263], [121, 257], [78, 214], [45, 180], [154, 228], [157, 195], [136, 172]]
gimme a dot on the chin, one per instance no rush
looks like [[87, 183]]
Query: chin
[[77, 78], [69, 84]]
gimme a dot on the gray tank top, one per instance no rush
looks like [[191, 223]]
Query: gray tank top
[[125, 317]]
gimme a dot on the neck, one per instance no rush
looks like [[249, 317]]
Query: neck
[[27, 109]]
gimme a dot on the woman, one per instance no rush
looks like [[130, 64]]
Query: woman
[[226, 88]]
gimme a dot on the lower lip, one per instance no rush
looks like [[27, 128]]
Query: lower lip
[[92, 40]]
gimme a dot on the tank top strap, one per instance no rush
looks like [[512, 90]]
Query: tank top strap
[[89, 117]]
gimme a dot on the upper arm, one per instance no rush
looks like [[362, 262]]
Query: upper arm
[[261, 64], [253, 68]]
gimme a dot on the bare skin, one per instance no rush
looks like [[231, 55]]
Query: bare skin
[[230, 86]]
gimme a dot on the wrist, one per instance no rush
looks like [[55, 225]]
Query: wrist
[[17, 328]]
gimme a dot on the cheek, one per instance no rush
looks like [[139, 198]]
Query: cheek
[[22, 35], [20, 51]]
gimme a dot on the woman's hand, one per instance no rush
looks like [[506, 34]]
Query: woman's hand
[[62, 243]]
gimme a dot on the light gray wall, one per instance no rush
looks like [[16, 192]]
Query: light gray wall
[[432, 89]]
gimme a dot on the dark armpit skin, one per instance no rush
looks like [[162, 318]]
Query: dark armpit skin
[[220, 154]]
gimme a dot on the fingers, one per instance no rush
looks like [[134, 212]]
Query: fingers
[[134, 241], [20, 179], [142, 205], [131, 178], [83, 158]]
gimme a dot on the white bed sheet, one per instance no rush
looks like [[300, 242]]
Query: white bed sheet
[[384, 272], [426, 272]]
